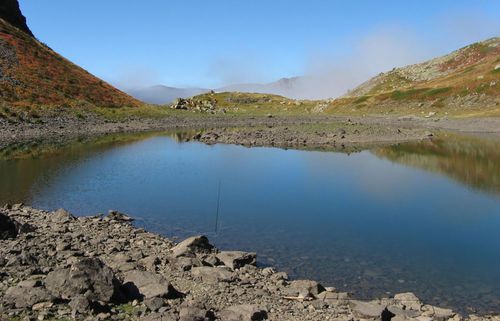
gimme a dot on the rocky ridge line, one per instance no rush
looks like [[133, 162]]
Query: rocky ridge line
[[10, 12]]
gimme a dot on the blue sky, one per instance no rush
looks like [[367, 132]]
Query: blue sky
[[213, 43]]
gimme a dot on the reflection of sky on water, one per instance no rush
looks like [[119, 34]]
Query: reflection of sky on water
[[360, 220]]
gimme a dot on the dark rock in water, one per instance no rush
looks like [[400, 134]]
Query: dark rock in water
[[192, 245], [88, 277], [145, 285], [244, 312], [237, 259], [117, 216], [10, 12], [8, 227]]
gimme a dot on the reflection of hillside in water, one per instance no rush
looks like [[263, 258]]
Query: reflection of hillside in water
[[472, 161], [22, 165]]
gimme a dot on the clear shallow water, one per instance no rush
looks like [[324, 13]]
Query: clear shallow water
[[363, 222]]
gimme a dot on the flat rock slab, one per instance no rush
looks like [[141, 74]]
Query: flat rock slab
[[26, 297], [212, 275], [118, 217], [145, 285], [192, 245], [237, 259]]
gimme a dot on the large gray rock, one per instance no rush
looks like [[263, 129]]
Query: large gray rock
[[192, 245], [26, 297], [8, 227], [244, 312], [304, 289], [408, 300], [88, 277], [237, 259], [212, 275], [145, 285]]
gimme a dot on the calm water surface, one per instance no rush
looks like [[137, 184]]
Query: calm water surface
[[421, 217]]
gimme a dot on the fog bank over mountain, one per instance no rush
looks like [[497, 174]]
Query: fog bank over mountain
[[331, 71]]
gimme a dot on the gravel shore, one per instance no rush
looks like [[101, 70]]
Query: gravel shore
[[284, 131], [55, 266]]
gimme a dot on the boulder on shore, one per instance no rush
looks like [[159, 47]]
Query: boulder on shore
[[88, 277], [192, 245], [237, 259], [145, 285], [25, 297], [304, 289]]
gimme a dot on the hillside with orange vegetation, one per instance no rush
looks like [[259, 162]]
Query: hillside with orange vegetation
[[32, 74], [466, 78]]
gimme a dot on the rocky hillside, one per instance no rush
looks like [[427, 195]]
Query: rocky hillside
[[31, 74], [468, 77]]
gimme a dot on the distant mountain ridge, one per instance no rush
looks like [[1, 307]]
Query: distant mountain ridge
[[283, 87], [32, 74], [163, 94], [466, 72]]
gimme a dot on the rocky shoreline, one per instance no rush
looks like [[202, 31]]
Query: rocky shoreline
[[54, 266], [284, 131], [343, 135]]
